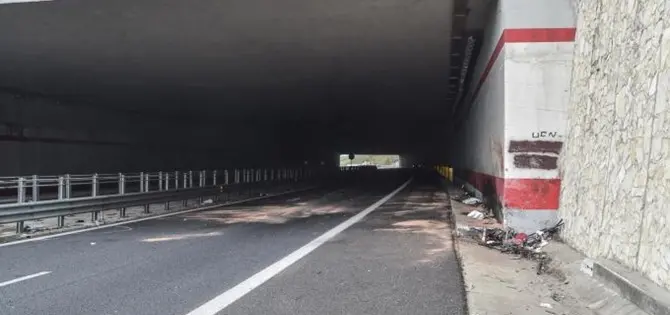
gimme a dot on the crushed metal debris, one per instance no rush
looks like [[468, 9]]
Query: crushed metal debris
[[528, 246], [507, 240]]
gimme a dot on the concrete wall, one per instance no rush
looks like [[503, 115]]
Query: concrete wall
[[513, 132], [477, 153], [615, 164], [42, 136]]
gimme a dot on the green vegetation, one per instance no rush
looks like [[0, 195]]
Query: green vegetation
[[369, 159]]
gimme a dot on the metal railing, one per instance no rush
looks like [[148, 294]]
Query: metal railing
[[38, 197]]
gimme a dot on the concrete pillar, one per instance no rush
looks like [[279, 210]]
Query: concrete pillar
[[515, 111]]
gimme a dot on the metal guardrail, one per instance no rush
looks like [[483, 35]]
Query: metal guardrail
[[149, 188], [54, 208]]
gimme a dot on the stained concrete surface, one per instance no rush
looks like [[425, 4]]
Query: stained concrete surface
[[504, 284], [398, 260]]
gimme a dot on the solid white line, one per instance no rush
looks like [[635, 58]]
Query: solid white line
[[46, 237], [222, 301], [21, 1], [24, 278]]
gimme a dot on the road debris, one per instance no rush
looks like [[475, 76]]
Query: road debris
[[476, 215], [528, 246], [546, 305], [472, 201], [557, 296], [207, 202]]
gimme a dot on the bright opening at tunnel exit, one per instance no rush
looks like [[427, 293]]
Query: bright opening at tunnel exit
[[378, 160]]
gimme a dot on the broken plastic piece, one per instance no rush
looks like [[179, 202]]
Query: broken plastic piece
[[471, 201], [476, 215]]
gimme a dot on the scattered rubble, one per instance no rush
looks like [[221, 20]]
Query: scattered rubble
[[527, 246], [506, 240], [546, 305], [472, 201], [557, 296], [476, 215]]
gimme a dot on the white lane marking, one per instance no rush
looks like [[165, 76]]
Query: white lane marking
[[24, 278], [46, 237], [222, 301], [21, 1]]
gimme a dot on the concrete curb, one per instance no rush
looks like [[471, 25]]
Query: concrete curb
[[455, 241], [640, 291], [566, 266]]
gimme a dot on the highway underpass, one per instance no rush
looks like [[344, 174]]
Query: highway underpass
[[545, 110]]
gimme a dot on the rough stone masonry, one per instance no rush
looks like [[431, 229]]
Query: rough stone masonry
[[615, 162]]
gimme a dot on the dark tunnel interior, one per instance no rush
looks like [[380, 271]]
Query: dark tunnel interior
[[92, 85]]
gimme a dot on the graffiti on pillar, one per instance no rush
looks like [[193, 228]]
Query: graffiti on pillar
[[535, 146], [535, 154], [544, 134]]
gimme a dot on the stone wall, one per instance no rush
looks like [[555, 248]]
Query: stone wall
[[615, 163]]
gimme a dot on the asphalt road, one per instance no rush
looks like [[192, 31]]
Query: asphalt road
[[397, 260]]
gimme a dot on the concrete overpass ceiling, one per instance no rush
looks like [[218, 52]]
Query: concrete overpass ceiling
[[349, 75], [231, 58]]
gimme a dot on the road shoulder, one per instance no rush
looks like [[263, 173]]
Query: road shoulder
[[504, 284]]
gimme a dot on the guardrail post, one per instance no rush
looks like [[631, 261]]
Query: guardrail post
[[141, 181], [176, 180], [201, 183], [61, 196], [160, 181], [147, 181], [94, 193], [20, 198], [122, 191], [68, 186], [214, 174], [190, 179], [186, 175], [36, 188], [225, 177], [167, 187], [20, 190]]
